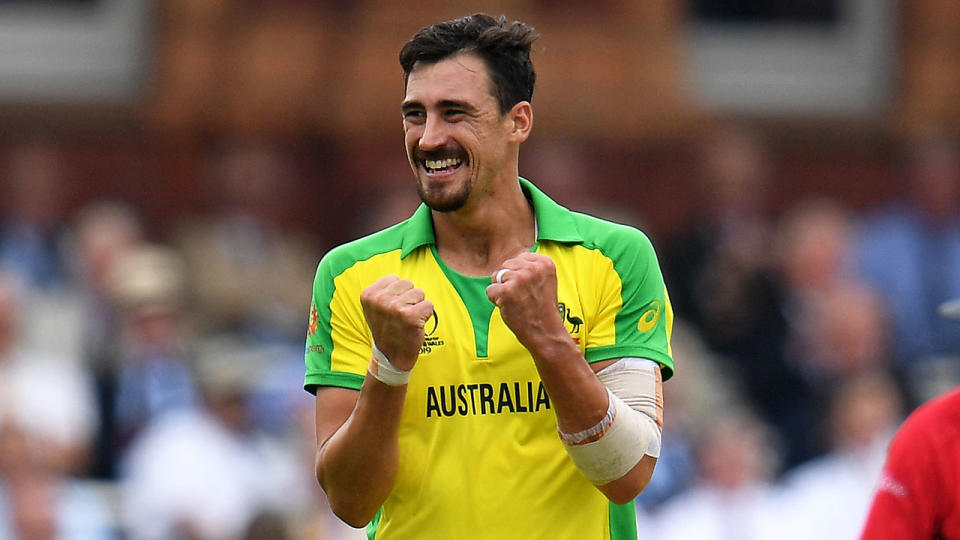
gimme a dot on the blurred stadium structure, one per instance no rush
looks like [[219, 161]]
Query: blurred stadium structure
[[795, 163]]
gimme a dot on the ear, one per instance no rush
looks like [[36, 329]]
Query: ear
[[521, 118]]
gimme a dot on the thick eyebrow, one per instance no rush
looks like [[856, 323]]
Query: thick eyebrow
[[454, 104]]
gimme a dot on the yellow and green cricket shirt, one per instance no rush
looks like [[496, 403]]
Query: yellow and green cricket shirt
[[479, 452]]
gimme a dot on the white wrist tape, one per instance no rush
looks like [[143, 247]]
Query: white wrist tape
[[634, 430], [598, 429], [386, 372]]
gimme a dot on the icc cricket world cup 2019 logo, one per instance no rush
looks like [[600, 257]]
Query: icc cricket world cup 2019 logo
[[431, 340]]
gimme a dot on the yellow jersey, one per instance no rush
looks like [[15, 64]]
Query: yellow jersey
[[480, 456]]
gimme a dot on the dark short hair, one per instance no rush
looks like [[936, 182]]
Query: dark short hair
[[504, 48]]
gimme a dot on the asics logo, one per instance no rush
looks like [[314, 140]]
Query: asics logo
[[650, 317]]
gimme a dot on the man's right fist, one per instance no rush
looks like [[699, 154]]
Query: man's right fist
[[396, 312]]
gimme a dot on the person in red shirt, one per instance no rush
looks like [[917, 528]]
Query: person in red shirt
[[918, 495]]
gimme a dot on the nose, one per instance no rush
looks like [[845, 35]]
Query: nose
[[434, 134]]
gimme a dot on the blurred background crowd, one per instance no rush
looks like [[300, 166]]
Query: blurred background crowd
[[171, 172]]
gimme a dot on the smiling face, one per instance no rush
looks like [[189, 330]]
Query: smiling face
[[457, 141]]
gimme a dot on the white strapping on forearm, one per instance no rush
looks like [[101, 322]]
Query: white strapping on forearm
[[598, 429], [635, 381], [634, 430], [618, 450], [386, 372]]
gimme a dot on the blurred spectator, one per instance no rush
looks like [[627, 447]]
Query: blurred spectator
[[34, 242], [50, 399], [814, 246], [248, 272], [732, 496], [315, 520], [845, 332], [32, 234], [829, 497], [273, 407], [718, 271], [203, 473], [104, 232], [837, 325], [721, 276], [47, 425], [692, 402], [155, 367], [38, 502], [910, 252]]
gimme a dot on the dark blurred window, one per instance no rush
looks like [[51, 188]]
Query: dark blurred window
[[819, 12]]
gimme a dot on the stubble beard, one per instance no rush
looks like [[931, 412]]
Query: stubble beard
[[437, 200]]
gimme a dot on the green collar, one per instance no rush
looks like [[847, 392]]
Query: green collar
[[554, 222]]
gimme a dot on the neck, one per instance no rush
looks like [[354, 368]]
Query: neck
[[476, 241]]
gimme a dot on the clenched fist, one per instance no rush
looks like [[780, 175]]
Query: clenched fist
[[396, 312], [525, 290]]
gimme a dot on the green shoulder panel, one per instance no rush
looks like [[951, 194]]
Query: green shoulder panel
[[643, 324], [319, 345]]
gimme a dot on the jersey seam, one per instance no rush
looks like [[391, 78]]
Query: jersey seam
[[340, 379]]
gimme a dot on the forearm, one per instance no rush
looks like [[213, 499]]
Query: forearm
[[578, 398], [581, 402], [357, 465]]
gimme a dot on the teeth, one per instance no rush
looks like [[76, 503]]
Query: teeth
[[434, 164]]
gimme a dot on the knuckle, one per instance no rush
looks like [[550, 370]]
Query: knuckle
[[369, 296]]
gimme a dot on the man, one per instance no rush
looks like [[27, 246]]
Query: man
[[918, 495], [447, 352]]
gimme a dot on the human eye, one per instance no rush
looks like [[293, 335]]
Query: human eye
[[413, 115], [454, 114]]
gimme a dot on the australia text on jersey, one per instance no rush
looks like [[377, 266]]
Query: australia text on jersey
[[486, 398]]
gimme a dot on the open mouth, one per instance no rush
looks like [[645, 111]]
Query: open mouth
[[434, 166]]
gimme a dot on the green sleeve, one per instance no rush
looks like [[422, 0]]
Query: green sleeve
[[644, 317], [320, 342]]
